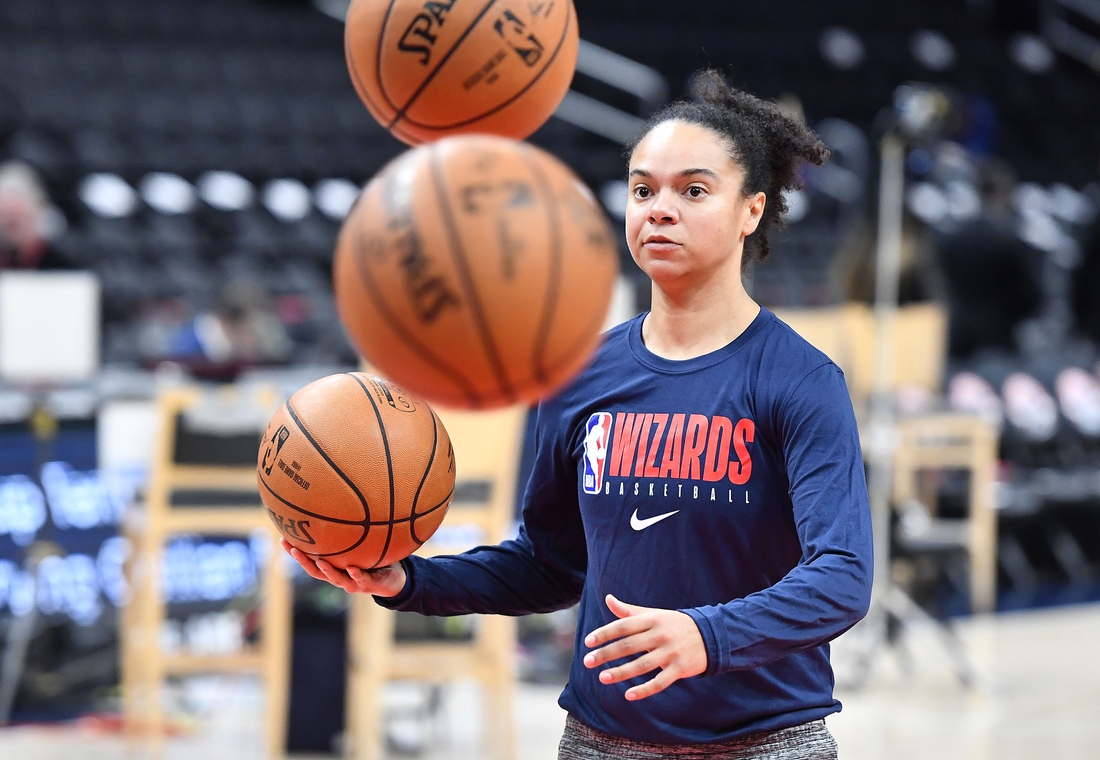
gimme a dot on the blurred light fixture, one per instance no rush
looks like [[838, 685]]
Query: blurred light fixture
[[836, 182], [107, 195], [1071, 206], [1040, 230], [963, 201], [922, 111], [1029, 406], [167, 193], [337, 9], [1031, 54], [1078, 394], [226, 191], [841, 48], [613, 195], [287, 199], [335, 197], [798, 205], [932, 50], [927, 202], [1031, 196], [969, 392]]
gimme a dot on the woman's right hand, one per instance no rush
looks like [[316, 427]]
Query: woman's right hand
[[383, 581]]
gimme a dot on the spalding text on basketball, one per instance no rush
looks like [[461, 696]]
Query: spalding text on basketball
[[426, 287], [422, 32], [296, 529], [392, 395]]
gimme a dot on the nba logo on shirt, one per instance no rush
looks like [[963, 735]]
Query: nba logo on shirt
[[597, 433]]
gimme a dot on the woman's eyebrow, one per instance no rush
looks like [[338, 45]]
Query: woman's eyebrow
[[707, 172], [685, 173]]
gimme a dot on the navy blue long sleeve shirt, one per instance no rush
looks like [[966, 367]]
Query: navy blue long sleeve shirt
[[728, 486]]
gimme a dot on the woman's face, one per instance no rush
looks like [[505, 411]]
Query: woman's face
[[686, 216]]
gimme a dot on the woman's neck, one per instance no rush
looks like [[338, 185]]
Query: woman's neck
[[690, 323]]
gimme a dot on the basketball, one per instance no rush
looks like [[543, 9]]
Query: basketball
[[476, 271], [426, 70], [355, 470]]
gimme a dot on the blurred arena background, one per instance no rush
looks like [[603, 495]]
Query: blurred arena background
[[172, 179]]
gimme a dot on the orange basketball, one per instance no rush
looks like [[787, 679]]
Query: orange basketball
[[476, 271], [427, 69], [355, 470]]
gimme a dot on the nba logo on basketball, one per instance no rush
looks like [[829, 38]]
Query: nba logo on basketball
[[597, 433]]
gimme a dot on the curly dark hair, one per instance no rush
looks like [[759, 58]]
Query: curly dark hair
[[766, 143]]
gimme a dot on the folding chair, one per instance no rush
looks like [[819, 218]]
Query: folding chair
[[487, 448]]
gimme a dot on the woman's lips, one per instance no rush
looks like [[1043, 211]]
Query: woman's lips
[[658, 243]]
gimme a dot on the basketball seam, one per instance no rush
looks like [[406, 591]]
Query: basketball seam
[[377, 112], [325, 456], [446, 57], [357, 80], [596, 322], [514, 98], [425, 353], [365, 527], [553, 286], [364, 524], [378, 58], [326, 518], [424, 477], [412, 520], [458, 255], [389, 463]]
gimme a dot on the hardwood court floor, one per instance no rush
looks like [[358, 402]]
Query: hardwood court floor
[[1037, 697]]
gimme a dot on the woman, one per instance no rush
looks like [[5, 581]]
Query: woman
[[699, 488]]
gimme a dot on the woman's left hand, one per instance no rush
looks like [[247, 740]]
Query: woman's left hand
[[668, 639]]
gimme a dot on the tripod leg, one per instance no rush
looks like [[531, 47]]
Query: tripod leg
[[900, 604]]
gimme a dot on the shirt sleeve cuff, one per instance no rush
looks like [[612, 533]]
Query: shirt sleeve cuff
[[710, 640], [403, 596]]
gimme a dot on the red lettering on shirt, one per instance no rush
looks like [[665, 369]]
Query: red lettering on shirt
[[695, 442], [670, 463], [660, 420], [718, 448], [627, 428], [741, 469], [681, 447], [643, 442]]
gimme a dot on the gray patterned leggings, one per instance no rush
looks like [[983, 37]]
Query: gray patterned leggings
[[810, 741]]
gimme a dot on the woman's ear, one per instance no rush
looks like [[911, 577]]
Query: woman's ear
[[754, 211]]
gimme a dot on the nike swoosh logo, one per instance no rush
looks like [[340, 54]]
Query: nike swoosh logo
[[637, 524]]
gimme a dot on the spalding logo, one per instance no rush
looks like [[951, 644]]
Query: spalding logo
[[423, 31], [393, 395]]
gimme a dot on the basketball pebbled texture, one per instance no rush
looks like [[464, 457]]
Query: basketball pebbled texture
[[476, 271], [355, 470], [426, 69]]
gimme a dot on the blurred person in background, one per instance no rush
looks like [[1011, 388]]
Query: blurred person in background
[[27, 220], [241, 330], [853, 270], [993, 278]]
